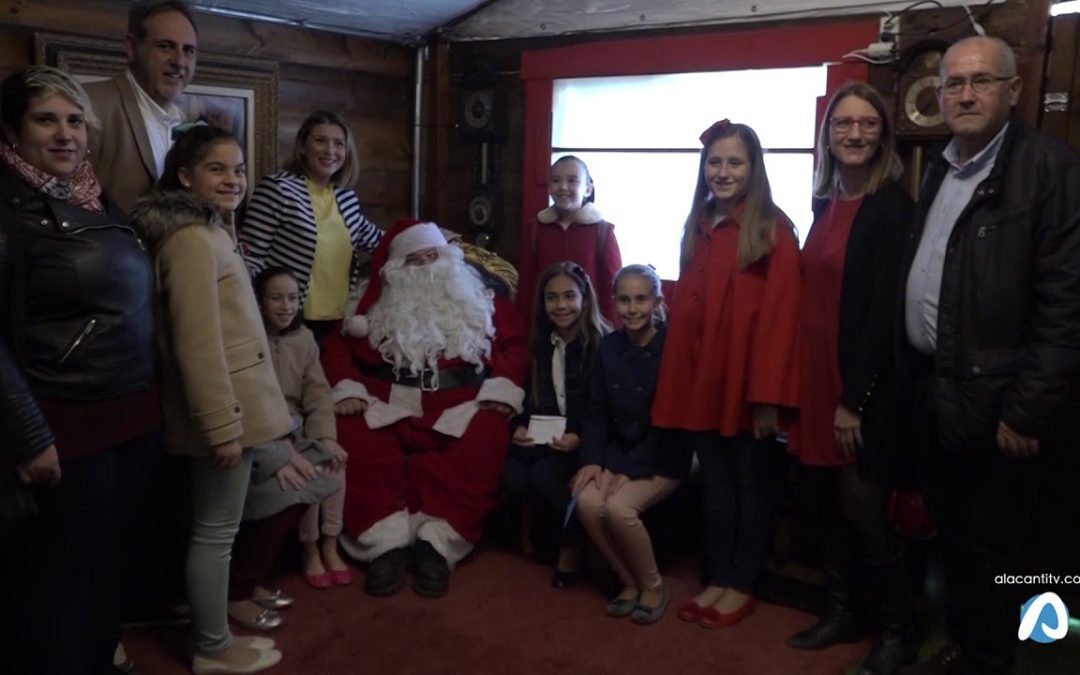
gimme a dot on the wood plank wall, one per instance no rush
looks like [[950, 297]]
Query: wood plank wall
[[370, 82], [1019, 22]]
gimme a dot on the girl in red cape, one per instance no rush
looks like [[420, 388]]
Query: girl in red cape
[[730, 362]]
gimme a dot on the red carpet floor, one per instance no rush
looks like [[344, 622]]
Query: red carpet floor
[[502, 616]]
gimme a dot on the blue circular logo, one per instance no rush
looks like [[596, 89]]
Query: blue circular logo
[[1043, 619]]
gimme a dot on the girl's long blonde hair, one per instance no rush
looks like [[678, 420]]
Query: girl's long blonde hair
[[757, 233]]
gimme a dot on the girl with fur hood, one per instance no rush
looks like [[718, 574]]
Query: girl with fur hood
[[571, 229], [220, 394]]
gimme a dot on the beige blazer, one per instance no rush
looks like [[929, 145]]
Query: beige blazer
[[218, 380], [120, 151]]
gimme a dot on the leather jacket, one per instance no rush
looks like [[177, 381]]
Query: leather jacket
[[1009, 306], [76, 299]]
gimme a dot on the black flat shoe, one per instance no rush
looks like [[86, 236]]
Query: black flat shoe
[[561, 579], [431, 575], [386, 573]]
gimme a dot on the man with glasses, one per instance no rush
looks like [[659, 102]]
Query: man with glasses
[[991, 341]]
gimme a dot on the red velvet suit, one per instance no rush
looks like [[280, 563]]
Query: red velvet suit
[[407, 464]]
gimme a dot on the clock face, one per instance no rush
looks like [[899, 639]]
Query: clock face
[[478, 108], [921, 106], [919, 112]]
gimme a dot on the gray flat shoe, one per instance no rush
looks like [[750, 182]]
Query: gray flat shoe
[[617, 607], [643, 615]]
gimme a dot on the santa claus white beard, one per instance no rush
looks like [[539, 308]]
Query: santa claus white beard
[[427, 312]]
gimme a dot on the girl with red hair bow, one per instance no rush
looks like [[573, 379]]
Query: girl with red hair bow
[[729, 364]]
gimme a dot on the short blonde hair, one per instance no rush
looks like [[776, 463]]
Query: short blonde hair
[[348, 174], [22, 87]]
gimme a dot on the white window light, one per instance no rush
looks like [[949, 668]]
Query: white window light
[[644, 157], [1072, 7]]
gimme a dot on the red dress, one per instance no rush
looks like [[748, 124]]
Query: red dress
[[732, 334], [822, 264]]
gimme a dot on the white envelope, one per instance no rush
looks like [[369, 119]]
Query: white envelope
[[543, 429]]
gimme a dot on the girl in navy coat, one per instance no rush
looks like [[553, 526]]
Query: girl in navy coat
[[566, 332], [624, 468]]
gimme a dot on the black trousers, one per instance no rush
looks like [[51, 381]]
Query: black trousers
[[742, 485], [976, 498], [62, 569], [539, 477]]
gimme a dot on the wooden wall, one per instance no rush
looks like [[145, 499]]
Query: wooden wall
[[1019, 22], [369, 81]]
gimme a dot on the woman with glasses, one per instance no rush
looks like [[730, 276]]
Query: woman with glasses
[[850, 274]]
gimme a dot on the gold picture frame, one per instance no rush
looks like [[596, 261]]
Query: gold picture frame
[[234, 92]]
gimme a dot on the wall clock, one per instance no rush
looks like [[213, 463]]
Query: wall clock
[[918, 113]]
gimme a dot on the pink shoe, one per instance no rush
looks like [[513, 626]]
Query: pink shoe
[[341, 577], [324, 580]]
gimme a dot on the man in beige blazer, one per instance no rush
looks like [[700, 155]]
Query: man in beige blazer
[[138, 108]]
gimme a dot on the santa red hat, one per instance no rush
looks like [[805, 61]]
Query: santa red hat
[[404, 237]]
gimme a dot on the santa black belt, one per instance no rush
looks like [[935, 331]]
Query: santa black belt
[[449, 378]]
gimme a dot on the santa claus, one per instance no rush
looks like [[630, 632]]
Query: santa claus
[[425, 378]]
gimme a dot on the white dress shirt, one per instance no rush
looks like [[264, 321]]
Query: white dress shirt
[[159, 123]]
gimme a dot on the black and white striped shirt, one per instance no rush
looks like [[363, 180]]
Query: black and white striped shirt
[[280, 228]]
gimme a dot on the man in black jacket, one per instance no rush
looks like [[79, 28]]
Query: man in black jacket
[[991, 334]]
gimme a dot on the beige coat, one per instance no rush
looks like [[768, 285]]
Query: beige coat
[[120, 151], [219, 383], [296, 362]]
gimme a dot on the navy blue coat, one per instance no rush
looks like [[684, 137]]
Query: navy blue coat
[[618, 434], [578, 365]]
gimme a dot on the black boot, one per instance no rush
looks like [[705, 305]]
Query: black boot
[[841, 621], [386, 573], [896, 645], [431, 576]]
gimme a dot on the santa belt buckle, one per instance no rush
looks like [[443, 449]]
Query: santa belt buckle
[[429, 380]]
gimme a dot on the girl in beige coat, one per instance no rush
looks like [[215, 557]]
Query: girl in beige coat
[[220, 393], [296, 362]]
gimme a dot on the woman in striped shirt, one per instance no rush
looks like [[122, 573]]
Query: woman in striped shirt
[[307, 218]]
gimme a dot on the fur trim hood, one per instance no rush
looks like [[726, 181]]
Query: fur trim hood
[[160, 214], [586, 215]]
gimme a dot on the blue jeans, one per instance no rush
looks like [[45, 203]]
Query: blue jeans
[[217, 501]]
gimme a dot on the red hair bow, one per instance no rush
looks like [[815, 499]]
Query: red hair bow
[[710, 134]]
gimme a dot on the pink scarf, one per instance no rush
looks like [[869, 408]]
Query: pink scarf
[[81, 188]]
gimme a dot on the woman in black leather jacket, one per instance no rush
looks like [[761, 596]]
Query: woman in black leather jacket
[[77, 392]]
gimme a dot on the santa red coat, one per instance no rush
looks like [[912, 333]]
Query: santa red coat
[[731, 334], [430, 452]]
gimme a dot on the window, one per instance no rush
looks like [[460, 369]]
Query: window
[[638, 135]]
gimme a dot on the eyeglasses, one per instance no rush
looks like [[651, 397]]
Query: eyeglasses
[[867, 125], [980, 84]]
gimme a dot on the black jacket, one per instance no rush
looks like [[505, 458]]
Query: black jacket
[[75, 311], [578, 364], [1008, 332], [619, 435], [867, 310]]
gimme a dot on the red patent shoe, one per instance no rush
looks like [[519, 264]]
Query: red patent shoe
[[690, 611], [341, 577], [712, 619], [323, 580]]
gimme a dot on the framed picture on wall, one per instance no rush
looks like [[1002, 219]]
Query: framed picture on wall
[[236, 93]]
